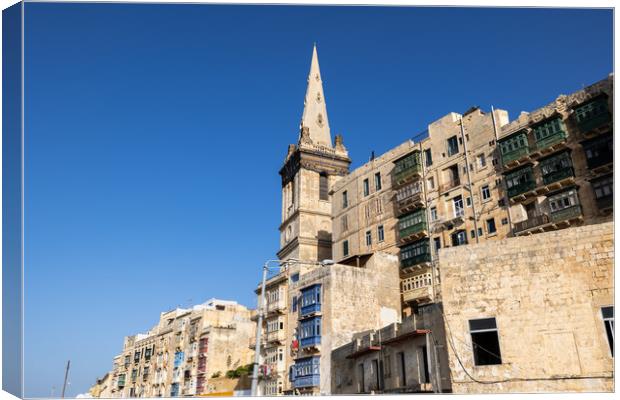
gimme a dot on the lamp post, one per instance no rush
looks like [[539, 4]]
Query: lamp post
[[262, 309]]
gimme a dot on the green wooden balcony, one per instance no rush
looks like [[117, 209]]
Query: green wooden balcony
[[407, 173], [412, 230], [592, 115], [515, 155], [558, 175], [551, 140], [594, 122], [419, 259], [566, 214], [521, 188]]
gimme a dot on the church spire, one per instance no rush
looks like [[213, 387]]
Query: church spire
[[314, 117]]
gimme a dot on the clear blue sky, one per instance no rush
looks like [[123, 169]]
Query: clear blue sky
[[154, 136]]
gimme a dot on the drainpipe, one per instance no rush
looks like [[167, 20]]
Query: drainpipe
[[502, 183], [471, 193]]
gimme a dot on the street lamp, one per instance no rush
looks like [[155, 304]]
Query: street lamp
[[261, 309]]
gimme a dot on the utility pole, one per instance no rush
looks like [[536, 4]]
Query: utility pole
[[259, 330], [471, 190], [64, 385]]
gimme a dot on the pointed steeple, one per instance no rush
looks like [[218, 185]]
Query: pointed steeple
[[314, 117]]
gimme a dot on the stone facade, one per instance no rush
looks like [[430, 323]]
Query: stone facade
[[344, 300], [407, 357], [179, 355], [558, 161], [546, 294]]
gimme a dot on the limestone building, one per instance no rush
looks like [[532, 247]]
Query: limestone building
[[533, 313], [309, 303], [403, 357], [179, 355], [558, 162]]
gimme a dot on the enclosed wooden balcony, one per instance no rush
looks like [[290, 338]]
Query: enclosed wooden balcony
[[593, 117], [548, 222], [407, 169], [551, 136]]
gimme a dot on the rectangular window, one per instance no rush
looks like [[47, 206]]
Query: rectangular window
[[345, 199], [368, 238], [472, 233], [431, 183], [486, 193], [458, 206], [459, 238], [603, 187], [485, 341], [366, 187], [433, 213], [482, 161], [427, 373], [345, 248], [323, 187], [468, 201], [380, 233], [491, 226], [608, 320], [345, 223], [453, 146], [378, 181], [479, 232], [428, 157], [436, 244], [294, 306]]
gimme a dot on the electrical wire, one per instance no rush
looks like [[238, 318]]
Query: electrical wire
[[492, 382]]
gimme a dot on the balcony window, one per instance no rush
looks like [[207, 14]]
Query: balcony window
[[134, 375], [459, 238], [127, 361], [121, 380], [592, 114], [457, 203], [436, 245], [179, 356], [310, 332], [413, 189], [415, 253], [136, 356], [407, 166], [564, 205], [599, 151], [453, 146], [549, 133], [433, 213], [412, 223], [310, 299], [556, 168], [514, 147], [485, 341], [604, 191], [147, 353], [306, 372], [520, 181], [174, 390]]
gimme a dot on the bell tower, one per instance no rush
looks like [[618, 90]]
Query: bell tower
[[310, 169]]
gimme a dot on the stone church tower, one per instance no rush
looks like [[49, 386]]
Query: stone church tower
[[310, 169]]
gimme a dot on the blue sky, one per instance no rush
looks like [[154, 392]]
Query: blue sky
[[154, 136]]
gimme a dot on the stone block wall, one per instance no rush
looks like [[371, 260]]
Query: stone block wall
[[545, 292]]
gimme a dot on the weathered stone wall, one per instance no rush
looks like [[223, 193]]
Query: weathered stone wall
[[546, 292]]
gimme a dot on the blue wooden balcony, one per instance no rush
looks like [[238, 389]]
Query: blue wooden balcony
[[307, 381], [310, 309], [311, 341]]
